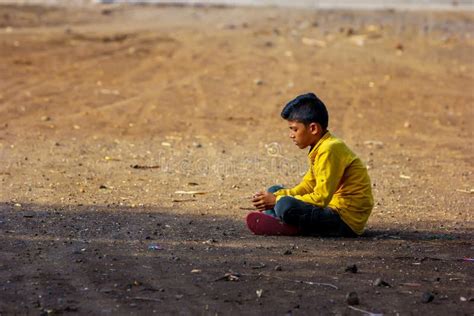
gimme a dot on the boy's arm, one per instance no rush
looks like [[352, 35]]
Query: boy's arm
[[306, 186], [329, 170]]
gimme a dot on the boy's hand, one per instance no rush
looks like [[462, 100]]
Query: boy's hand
[[263, 201]]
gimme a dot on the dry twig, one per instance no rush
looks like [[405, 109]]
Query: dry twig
[[364, 311], [300, 281], [141, 298], [144, 167], [184, 200]]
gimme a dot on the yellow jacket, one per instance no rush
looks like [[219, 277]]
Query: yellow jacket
[[336, 178]]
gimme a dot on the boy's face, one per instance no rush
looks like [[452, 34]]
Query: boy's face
[[303, 135]]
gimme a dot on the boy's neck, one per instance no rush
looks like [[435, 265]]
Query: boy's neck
[[318, 138]]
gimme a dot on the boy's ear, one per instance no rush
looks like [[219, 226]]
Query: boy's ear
[[314, 128]]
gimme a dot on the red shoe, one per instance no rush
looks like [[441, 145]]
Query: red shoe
[[263, 224]]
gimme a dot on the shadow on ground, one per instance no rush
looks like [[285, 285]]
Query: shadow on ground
[[108, 259]]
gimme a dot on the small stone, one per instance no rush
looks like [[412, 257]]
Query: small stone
[[36, 303], [209, 241], [352, 268], [258, 82], [313, 42], [102, 187], [154, 247], [380, 282], [278, 268], [230, 276], [287, 252], [427, 297], [352, 298], [105, 290], [45, 118]]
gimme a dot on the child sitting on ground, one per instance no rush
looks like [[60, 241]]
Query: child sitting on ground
[[333, 199]]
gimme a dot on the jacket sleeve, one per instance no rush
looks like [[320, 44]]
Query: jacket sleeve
[[328, 171]]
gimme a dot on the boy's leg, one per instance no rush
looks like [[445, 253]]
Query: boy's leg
[[312, 219], [267, 222], [273, 189]]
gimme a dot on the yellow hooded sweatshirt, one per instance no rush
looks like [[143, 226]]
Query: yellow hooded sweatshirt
[[336, 178]]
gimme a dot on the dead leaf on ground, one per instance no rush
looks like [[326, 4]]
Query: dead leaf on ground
[[229, 276]]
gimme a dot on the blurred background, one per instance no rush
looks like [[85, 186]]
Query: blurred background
[[346, 4]]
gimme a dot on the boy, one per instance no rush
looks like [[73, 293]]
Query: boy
[[333, 199]]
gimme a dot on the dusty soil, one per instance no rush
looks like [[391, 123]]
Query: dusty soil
[[90, 98]]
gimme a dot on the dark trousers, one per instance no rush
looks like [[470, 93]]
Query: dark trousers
[[311, 219]]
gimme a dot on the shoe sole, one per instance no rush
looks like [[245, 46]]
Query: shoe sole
[[263, 224]]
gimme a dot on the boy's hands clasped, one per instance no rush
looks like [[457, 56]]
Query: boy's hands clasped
[[263, 200]]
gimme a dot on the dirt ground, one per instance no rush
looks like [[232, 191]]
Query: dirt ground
[[106, 113]]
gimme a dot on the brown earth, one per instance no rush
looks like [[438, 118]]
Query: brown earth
[[195, 92]]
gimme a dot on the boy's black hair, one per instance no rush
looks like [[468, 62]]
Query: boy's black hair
[[306, 108]]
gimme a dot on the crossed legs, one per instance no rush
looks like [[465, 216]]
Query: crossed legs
[[310, 219]]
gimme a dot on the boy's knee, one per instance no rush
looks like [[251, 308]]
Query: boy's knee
[[284, 204], [292, 211], [274, 188]]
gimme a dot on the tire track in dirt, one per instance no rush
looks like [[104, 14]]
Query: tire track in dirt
[[141, 109], [90, 62]]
